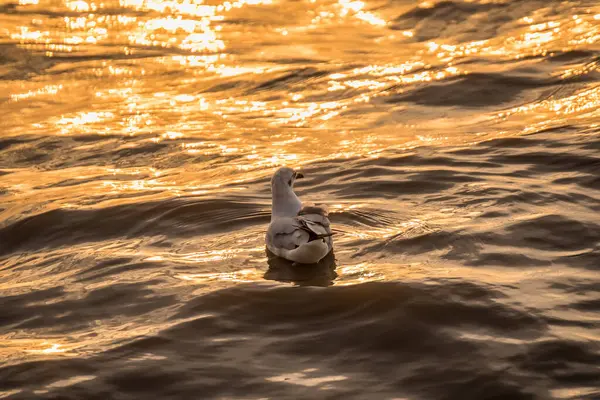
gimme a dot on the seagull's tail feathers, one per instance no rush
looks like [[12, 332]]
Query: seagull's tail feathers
[[310, 252]]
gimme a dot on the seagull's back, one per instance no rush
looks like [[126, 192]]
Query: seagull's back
[[304, 238]]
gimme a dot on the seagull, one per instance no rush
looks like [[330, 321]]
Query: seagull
[[297, 233]]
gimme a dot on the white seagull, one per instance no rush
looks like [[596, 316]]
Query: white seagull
[[297, 233]]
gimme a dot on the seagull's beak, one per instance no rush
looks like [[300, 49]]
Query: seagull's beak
[[299, 175]]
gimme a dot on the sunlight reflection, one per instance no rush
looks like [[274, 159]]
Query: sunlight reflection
[[81, 6], [194, 8], [390, 231], [240, 276], [580, 70], [339, 103], [215, 255], [303, 379], [352, 274], [539, 39], [76, 122], [356, 8], [136, 185], [580, 103], [389, 75], [25, 35], [71, 381], [159, 32], [44, 91], [187, 25], [49, 348]]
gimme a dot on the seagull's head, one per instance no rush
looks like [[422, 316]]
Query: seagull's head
[[285, 176], [285, 201]]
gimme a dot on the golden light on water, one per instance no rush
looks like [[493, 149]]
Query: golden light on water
[[135, 103], [53, 348], [186, 75], [138, 141], [584, 103], [48, 90], [304, 379]]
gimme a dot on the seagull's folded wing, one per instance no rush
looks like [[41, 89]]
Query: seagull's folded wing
[[287, 233], [310, 224]]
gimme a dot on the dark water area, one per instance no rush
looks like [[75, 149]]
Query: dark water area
[[455, 143]]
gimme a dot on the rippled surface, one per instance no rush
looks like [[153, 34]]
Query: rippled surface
[[455, 143]]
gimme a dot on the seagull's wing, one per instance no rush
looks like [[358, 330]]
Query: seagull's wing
[[315, 219], [286, 233], [289, 233]]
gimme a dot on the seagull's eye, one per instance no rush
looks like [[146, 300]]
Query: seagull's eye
[[290, 182]]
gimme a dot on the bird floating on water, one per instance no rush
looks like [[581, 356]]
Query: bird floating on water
[[297, 233]]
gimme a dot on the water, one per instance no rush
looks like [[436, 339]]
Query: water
[[455, 143]]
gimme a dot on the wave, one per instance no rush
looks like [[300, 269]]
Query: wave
[[182, 217], [414, 339]]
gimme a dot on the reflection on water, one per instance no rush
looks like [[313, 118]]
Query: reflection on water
[[455, 143], [320, 274], [140, 88]]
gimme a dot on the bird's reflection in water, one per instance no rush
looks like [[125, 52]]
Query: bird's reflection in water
[[319, 274]]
